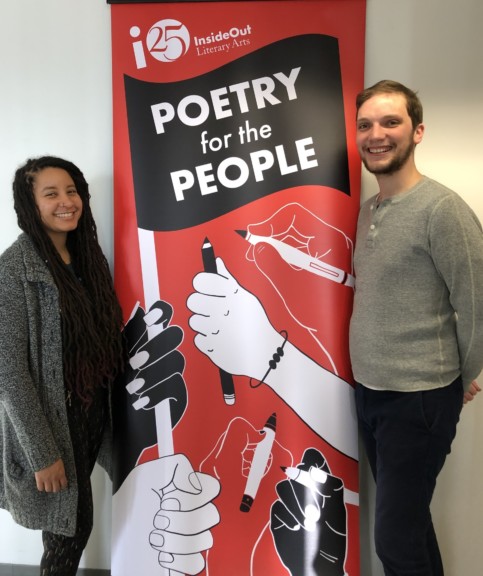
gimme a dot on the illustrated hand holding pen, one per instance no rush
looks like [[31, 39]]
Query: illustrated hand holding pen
[[325, 251], [309, 264], [181, 529], [247, 460], [308, 521], [154, 375], [226, 317]]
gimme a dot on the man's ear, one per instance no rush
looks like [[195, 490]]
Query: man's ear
[[418, 133]]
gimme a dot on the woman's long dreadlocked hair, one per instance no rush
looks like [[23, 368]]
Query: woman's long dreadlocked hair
[[93, 353]]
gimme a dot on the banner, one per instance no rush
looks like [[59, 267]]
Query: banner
[[236, 197]]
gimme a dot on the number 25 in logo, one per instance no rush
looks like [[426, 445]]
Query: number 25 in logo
[[166, 41]]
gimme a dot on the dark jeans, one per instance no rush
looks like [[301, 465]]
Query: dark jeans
[[407, 436]]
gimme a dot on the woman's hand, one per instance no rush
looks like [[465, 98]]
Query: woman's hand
[[52, 478]]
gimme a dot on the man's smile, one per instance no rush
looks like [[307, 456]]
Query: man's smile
[[379, 150]]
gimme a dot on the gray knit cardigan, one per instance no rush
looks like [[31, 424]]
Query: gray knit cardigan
[[33, 415]]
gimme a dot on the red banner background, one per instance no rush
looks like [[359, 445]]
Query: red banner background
[[311, 311]]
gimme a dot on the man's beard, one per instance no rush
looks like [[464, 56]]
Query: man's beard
[[394, 165]]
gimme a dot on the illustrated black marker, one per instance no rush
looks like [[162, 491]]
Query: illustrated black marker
[[209, 265]]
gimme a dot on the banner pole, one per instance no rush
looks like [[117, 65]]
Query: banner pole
[[149, 271], [150, 278]]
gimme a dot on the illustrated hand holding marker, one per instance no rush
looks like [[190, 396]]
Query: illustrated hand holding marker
[[301, 260], [310, 516], [305, 242], [225, 317], [310, 479], [309, 262]]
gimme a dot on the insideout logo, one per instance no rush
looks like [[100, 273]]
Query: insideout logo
[[166, 41]]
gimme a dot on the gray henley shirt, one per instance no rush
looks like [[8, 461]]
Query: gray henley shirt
[[417, 321]]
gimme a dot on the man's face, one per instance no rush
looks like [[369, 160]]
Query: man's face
[[385, 135]]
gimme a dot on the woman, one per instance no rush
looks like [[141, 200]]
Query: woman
[[60, 351]]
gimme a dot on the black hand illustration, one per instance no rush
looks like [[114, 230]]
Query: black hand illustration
[[308, 522], [155, 374]]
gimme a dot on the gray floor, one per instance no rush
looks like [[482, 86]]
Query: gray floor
[[21, 570]]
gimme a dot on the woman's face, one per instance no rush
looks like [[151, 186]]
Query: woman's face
[[59, 204]]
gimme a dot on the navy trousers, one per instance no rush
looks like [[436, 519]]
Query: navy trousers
[[407, 436]]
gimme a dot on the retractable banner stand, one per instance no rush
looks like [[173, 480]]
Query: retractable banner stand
[[236, 196]]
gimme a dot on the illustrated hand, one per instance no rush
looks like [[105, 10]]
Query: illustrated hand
[[162, 517], [316, 303], [52, 478], [156, 367], [155, 374], [227, 317], [308, 522], [471, 392], [232, 459]]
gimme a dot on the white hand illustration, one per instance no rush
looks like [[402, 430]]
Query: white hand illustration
[[162, 516]]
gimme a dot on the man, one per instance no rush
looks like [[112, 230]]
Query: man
[[416, 335]]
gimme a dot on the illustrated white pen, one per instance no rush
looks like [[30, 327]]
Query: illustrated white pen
[[259, 463], [316, 475], [301, 260]]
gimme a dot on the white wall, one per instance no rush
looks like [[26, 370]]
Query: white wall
[[55, 97], [435, 47]]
